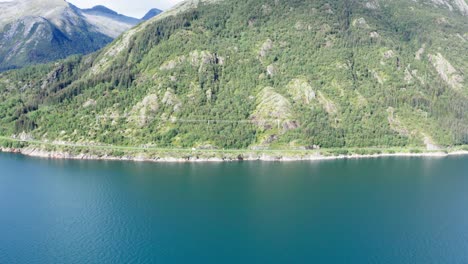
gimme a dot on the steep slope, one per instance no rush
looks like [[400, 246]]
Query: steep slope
[[37, 31], [259, 74], [35, 39], [49, 9]]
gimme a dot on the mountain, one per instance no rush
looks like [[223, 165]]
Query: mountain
[[38, 31], [108, 21], [260, 74], [152, 13], [41, 31]]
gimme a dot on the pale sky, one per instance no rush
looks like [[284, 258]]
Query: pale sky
[[133, 8]]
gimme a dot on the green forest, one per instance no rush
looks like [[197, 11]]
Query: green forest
[[258, 74]]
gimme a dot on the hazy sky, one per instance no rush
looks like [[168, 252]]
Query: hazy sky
[[134, 8]]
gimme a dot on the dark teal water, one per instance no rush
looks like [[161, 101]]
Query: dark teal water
[[390, 210]]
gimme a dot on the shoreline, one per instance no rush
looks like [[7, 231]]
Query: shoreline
[[283, 157]]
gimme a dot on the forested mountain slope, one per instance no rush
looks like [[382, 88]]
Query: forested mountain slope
[[260, 74]]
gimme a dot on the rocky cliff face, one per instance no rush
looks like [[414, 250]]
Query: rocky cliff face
[[453, 5], [34, 39]]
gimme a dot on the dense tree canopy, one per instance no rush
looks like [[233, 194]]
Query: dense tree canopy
[[259, 73]]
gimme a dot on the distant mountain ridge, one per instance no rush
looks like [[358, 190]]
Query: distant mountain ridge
[[107, 21], [152, 13], [38, 31], [102, 11]]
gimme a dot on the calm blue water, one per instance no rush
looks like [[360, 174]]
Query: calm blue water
[[391, 210]]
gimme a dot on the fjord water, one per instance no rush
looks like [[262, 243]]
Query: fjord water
[[388, 210]]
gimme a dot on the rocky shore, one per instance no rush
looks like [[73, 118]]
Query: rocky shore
[[40, 153]]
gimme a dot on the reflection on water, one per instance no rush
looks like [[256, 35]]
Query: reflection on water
[[389, 210]]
